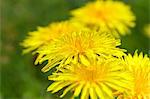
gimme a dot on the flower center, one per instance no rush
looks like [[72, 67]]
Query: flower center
[[90, 74], [80, 46], [100, 13], [141, 82]]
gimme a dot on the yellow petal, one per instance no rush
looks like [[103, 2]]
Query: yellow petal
[[84, 60], [84, 91], [78, 89], [67, 89], [92, 93]]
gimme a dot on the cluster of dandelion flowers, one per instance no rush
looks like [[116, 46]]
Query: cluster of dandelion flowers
[[44, 35], [87, 57], [100, 79], [78, 47], [111, 15], [139, 67]]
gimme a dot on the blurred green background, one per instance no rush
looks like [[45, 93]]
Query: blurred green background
[[20, 79]]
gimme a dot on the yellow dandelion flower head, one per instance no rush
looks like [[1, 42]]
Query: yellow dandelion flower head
[[47, 34], [108, 15], [139, 67], [78, 47], [98, 80], [147, 30]]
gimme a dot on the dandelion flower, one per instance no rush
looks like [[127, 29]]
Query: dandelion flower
[[112, 15], [147, 30], [97, 80], [47, 34], [139, 67], [78, 47]]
